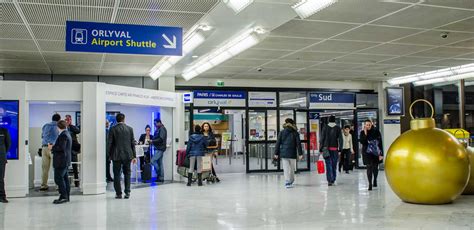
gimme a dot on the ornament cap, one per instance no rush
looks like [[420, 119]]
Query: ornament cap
[[422, 123]]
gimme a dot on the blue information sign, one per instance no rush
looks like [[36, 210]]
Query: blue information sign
[[323, 100], [122, 38], [220, 98]]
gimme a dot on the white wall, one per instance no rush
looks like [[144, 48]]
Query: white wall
[[390, 132]]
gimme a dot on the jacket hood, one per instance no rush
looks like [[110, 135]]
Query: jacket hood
[[290, 126], [196, 138]]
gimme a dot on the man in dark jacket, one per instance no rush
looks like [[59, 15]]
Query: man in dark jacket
[[5, 143], [159, 141], [108, 177], [76, 147], [331, 147], [197, 146], [122, 153], [287, 148], [371, 136], [61, 151]]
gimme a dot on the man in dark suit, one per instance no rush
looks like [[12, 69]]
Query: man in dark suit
[[5, 143], [76, 147], [121, 149], [61, 151]]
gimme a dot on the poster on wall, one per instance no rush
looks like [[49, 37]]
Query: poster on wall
[[395, 103], [110, 116], [262, 99], [9, 114]]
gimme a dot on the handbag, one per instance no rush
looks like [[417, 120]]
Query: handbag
[[373, 148]]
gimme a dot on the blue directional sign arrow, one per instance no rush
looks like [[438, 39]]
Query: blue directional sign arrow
[[123, 38]]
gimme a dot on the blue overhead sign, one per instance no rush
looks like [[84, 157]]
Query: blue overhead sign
[[220, 98], [319, 100], [122, 38]]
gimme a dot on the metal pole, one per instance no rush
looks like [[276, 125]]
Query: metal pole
[[462, 107]]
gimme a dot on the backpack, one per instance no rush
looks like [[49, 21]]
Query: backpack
[[373, 148]]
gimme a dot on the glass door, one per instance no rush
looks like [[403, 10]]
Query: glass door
[[301, 118], [361, 116], [262, 134]]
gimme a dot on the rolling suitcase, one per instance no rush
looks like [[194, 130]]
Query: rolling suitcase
[[146, 174]]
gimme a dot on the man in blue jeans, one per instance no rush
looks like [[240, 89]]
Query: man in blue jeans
[[159, 141]]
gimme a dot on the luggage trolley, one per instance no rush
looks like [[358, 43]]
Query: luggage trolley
[[183, 166]]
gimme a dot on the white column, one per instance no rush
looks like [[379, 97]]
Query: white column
[[167, 83], [390, 132], [16, 175], [93, 138]]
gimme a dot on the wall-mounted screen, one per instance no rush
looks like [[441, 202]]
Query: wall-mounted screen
[[395, 102], [9, 114], [110, 116]]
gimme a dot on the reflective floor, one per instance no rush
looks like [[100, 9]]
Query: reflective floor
[[242, 201]]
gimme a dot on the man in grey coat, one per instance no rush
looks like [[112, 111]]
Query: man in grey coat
[[121, 147]]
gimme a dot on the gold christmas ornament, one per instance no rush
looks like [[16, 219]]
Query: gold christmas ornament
[[469, 190], [427, 165]]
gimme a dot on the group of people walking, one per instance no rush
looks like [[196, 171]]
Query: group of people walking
[[336, 145]]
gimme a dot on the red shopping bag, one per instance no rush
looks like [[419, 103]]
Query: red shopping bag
[[320, 166]]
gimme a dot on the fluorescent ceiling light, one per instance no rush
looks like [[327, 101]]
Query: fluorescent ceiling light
[[306, 8], [237, 5], [447, 74], [194, 40], [222, 54]]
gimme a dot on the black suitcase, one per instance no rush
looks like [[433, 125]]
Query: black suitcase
[[146, 174]]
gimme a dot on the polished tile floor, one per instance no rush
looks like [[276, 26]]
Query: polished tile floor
[[240, 201]]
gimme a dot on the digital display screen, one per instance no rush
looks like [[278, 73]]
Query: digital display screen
[[395, 103], [111, 117], [9, 114]]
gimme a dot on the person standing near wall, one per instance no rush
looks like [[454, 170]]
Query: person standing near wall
[[108, 177], [159, 141], [288, 147], [331, 140], [145, 139], [122, 152], [76, 147], [372, 151], [211, 144], [196, 149], [49, 135], [62, 151], [347, 149], [5, 143]]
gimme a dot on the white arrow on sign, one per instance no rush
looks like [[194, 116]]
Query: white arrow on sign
[[171, 44]]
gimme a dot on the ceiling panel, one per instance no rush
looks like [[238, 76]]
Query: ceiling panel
[[57, 33], [53, 46], [20, 55], [443, 52], [337, 65], [59, 65], [434, 38], [424, 17], [312, 56], [244, 62], [9, 13], [124, 72], [467, 56], [449, 62], [24, 45], [313, 72], [201, 6], [356, 11], [465, 25], [418, 69], [409, 60], [126, 58], [285, 43], [158, 18], [377, 33], [229, 69], [22, 64], [111, 65], [289, 64], [78, 71], [16, 31], [262, 54], [310, 29], [467, 4], [467, 44], [25, 70], [96, 3], [273, 71], [59, 14], [341, 46], [71, 56], [395, 49], [363, 58], [379, 67]]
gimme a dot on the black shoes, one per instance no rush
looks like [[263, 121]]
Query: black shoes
[[127, 196], [375, 184], [199, 179], [109, 180], [3, 200], [44, 189], [347, 172], [190, 178], [118, 196], [217, 180], [370, 187], [330, 184], [60, 201]]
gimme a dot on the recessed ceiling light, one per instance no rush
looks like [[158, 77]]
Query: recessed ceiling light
[[205, 27], [195, 56]]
